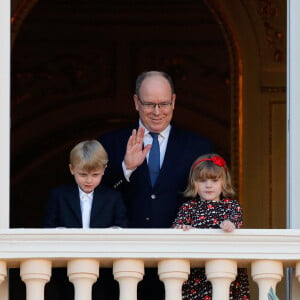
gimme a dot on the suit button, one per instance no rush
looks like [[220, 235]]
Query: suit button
[[153, 196], [147, 219]]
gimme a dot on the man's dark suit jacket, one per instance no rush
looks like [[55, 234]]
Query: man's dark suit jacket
[[147, 206], [63, 208]]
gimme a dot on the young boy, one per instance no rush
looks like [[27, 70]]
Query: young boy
[[86, 203]]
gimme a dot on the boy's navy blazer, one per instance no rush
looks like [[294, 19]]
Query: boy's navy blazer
[[147, 206], [63, 208]]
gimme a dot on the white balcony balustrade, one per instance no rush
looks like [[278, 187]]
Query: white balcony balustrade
[[35, 273], [3, 272], [128, 272], [83, 273], [173, 272], [128, 251], [267, 273], [221, 273]]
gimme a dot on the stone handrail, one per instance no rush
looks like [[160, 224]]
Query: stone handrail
[[128, 251]]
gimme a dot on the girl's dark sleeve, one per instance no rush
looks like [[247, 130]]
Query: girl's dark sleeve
[[183, 216], [235, 214]]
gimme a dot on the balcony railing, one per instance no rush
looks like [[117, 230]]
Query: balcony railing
[[129, 251]]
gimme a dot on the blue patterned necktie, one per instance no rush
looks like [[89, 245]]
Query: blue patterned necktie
[[154, 158]]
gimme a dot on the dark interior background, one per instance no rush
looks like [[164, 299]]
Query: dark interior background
[[74, 65]]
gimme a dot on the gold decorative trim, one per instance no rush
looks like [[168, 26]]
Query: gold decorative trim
[[273, 89], [268, 11]]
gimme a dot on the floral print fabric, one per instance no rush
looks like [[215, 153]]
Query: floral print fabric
[[210, 214]]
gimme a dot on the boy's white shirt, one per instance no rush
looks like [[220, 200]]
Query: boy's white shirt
[[86, 201]]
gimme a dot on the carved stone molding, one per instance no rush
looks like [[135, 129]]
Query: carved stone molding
[[268, 12], [273, 89]]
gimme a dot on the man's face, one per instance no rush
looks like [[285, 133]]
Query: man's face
[[155, 90]]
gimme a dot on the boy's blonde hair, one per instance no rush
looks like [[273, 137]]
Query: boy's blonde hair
[[209, 166], [89, 155]]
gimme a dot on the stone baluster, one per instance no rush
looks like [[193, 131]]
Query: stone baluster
[[220, 273], [295, 278], [297, 271], [35, 273], [3, 281], [173, 272], [128, 272], [3, 271], [83, 273], [266, 273]]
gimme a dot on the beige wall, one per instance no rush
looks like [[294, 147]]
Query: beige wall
[[263, 119]]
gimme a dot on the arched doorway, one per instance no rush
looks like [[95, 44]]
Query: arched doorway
[[73, 69], [48, 119]]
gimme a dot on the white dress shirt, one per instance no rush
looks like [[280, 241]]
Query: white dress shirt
[[86, 201]]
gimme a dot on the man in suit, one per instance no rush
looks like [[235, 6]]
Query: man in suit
[[152, 206], [152, 203], [85, 204]]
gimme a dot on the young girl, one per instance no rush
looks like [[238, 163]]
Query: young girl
[[210, 206]]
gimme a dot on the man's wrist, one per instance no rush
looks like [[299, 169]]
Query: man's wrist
[[127, 172]]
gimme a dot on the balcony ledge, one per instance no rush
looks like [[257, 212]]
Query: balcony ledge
[[150, 245]]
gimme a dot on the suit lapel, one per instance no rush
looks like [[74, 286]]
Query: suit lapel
[[73, 200], [145, 171], [99, 195], [171, 150], [171, 155]]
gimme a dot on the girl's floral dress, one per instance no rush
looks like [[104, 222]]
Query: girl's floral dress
[[210, 214]]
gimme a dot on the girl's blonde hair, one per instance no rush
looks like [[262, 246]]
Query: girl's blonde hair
[[209, 166], [89, 155]]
